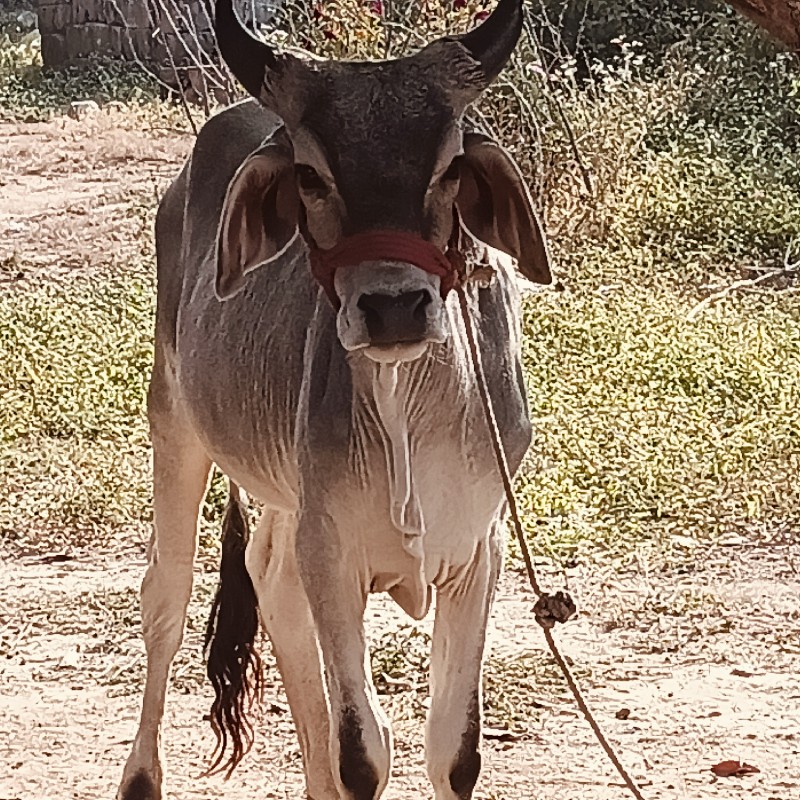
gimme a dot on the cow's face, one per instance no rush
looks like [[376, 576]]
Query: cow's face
[[372, 148], [377, 150]]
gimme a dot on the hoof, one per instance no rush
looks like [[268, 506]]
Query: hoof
[[358, 775], [139, 787]]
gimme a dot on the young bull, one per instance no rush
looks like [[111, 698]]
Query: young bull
[[308, 343]]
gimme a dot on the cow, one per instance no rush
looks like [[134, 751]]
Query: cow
[[309, 341]]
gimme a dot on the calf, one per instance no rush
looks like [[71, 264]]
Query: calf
[[309, 343]]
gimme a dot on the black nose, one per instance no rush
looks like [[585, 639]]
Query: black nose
[[395, 318]]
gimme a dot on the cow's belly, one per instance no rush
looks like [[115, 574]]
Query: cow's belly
[[247, 431], [245, 420], [239, 370]]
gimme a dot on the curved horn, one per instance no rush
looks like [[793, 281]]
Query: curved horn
[[493, 41], [249, 58]]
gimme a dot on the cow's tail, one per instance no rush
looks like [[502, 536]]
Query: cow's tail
[[233, 664]]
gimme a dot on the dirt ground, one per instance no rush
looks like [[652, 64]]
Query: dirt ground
[[703, 652], [73, 194], [705, 658]]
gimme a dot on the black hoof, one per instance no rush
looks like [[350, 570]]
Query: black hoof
[[464, 774], [140, 787], [357, 773]]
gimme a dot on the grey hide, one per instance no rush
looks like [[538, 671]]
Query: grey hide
[[375, 475]]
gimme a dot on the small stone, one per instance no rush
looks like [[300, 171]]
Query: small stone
[[623, 713], [26, 20]]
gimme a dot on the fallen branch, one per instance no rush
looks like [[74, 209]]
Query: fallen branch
[[789, 269]]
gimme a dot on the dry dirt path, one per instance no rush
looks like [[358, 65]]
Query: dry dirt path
[[74, 194], [707, 662]]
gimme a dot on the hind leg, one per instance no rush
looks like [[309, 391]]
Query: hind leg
[[285, 612], [180, 476]]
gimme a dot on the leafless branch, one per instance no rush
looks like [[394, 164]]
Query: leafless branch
[[789, 269], [554, 101], [132, 45], [186, 110], [190, 48]]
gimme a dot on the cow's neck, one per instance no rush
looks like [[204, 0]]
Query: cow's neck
[[409, 408]]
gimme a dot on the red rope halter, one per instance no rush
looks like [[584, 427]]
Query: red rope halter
[[384, 245]]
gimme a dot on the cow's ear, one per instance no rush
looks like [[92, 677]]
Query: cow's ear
[[259, 216], [496, 206]]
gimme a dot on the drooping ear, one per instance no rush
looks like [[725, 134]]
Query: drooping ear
[[259, 216], [496, 206]]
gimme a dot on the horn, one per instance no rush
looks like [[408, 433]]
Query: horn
[[249, 58], [493, 41]]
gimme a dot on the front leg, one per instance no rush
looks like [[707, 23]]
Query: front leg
[[180, 475], [453, 732], [336, 583]]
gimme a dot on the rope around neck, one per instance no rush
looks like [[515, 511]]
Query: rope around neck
[[549, 608]]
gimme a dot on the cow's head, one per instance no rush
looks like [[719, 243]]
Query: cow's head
[[370, 149]]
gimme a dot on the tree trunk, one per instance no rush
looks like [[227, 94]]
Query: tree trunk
[[781, 18]]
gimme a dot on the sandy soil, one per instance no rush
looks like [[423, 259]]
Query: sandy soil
[[74, 194], [713, 680], [704, 653]]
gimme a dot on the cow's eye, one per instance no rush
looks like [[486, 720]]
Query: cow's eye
[[309, 180], [453, 172]]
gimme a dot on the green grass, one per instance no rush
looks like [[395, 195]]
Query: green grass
[[515, 687], [695, 208], [76, 357], [30, 93], [73, 442], [648, 424]]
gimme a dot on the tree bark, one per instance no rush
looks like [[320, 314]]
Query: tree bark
[[781, 18]]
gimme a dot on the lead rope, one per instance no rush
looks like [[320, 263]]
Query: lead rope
[[549, 608]]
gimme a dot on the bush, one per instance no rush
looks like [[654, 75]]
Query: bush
[[30, 93], [690, 164]]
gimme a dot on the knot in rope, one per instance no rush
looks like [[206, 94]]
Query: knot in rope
[[553, 608]]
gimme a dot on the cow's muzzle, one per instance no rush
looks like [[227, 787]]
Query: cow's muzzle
[[388, 288], [396, 319], [392, 311]]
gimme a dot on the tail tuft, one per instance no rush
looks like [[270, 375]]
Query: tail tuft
[[233, 664]]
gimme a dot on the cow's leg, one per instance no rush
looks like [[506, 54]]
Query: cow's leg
[[286, 615], [180, 476], [453, 729], [337, 586]]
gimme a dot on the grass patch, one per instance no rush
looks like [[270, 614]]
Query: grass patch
[[515, 687], [74, 450], [649, 425], [76, 356], [31, 93]]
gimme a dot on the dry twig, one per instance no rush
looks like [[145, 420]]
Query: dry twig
[[789, 269]]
